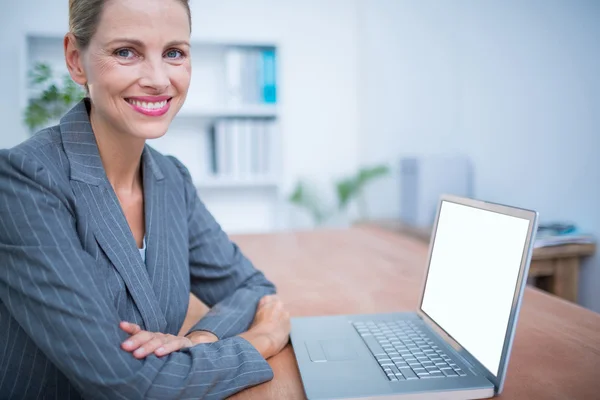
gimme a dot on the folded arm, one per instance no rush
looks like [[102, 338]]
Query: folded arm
[[48, 284], [221, 276]]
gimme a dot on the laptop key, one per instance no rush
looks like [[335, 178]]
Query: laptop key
[[400, 377], [375, 347], [449, 372], [408, 373], [436, 374]]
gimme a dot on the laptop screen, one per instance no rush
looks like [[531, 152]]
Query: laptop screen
[[472, 277]]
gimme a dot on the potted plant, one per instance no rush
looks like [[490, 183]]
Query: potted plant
[[349, 189], [54, 97]]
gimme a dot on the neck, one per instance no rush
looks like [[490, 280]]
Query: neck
[[121, 155]]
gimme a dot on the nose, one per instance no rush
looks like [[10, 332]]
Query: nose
[[155, 75]]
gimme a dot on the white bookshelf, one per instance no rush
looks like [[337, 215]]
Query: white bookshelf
[[248, 197]]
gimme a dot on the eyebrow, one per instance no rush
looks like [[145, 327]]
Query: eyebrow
[[138, 43]]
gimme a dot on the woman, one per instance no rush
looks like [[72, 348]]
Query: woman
[[102, 238]]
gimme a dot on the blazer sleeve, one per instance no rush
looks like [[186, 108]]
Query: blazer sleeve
[[47, 284], [220, 275]]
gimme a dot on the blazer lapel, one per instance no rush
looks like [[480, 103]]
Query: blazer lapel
[[156, 226], [110, 226]]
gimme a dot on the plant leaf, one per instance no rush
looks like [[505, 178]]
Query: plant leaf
[[305, 198], [40, 73], [367, 174], [346, 190], [350, 188]]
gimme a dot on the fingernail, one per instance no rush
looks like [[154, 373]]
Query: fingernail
[[160, 350], [139, 351], [128, 343]]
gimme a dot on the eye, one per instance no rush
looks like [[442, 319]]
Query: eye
[[124, 53], [174, 54]]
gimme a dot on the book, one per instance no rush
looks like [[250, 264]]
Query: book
[[269, 79], [561, 234]]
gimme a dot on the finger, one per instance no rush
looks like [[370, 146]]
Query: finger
[[269, 298], [130, 328], [269, 303], [150, 346], [173, 345], [137, 340], [263, 300]]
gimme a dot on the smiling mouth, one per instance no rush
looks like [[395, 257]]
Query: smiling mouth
[[150, 108], [148, 105]]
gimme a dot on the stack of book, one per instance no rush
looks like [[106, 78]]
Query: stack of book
[[250, 76], [242, 149], [558, 234]]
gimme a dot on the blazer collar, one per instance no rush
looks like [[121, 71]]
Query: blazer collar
[[82, 152]]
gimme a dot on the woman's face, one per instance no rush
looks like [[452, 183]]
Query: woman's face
[[137, 66]]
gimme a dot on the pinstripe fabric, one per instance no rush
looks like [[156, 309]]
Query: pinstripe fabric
[[70, 270]]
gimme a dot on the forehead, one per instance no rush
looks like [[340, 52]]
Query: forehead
[[144, 19]]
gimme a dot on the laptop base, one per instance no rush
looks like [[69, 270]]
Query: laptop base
[[335, 363]]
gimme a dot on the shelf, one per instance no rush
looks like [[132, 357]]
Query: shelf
[[236, 183], [231, 79], [246, 111]]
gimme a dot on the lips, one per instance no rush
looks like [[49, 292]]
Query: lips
[[150, 106]]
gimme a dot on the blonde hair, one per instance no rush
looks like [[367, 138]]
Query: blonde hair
[[84, 16]]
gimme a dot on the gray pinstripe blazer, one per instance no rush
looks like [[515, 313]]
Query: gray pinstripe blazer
[[70, 270]]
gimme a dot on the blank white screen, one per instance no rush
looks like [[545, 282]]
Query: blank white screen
[[472, 277]]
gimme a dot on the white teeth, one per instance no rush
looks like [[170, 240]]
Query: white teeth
[[148, 106]]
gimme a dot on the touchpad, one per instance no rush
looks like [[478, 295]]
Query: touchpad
[[330, 350]]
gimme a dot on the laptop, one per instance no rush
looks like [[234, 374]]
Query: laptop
[[458, 343]]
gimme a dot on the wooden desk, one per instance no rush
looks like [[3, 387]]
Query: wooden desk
[[553, 269], [556, 352], [556, 269]]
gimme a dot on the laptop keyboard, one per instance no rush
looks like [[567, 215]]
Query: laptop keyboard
[[404, 352]]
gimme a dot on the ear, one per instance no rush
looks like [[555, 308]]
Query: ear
[[74, 59]]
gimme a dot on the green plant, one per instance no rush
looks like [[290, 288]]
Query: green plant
[[347, 189], [53, 99], [305, 196], [354, 186]]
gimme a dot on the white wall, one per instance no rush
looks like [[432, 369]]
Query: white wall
[[318, 63], [514, 85]]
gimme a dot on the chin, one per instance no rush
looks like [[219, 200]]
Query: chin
[[150, 130]]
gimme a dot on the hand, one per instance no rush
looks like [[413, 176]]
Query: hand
[[143, 343], [270, 330]]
